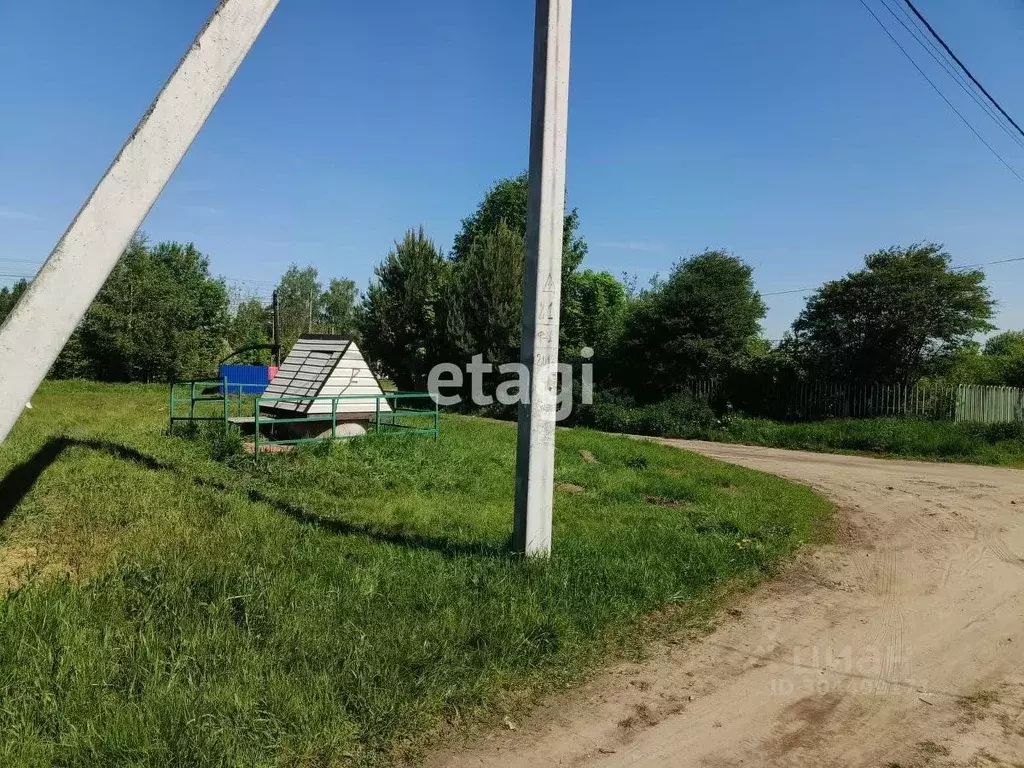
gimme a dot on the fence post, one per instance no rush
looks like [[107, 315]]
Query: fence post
[[334, 419], [227, 405], [192, 403], [170, 421], [256, 438], [376, 423]]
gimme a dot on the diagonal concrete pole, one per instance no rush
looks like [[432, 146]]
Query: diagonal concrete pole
[[535, 449], [41, 323]]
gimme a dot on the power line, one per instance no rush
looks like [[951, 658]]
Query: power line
[[263, 286], [954, 269], [988, 263], [792, 290], [950, 104], [935, 52], [962, 66]]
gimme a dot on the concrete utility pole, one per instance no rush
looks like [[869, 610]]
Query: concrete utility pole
[[41, 323], [535, 449]]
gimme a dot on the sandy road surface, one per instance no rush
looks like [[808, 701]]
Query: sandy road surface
[[900, 645]]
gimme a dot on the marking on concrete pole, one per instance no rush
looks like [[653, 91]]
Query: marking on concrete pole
[[41, 323], [535, 448]]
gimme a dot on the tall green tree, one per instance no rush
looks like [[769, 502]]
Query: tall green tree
[[160, 315], [506, 202], [300, 296], [399, 317], [594, 306], [338, 308], [698, 323], [498, 227], [894, 319], [251, 325], [484, 307]]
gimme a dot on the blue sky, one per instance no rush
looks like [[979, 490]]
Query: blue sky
[[792, 133]]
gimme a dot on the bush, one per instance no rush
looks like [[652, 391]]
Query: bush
[[682, 415]]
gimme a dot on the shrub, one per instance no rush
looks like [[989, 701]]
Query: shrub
[[679, 416]]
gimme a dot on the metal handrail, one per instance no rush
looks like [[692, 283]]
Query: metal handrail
[[395, 413]]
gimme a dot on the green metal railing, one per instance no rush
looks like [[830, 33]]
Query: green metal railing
[[385, 420], [197, 393], [201, 385], [394, 416]]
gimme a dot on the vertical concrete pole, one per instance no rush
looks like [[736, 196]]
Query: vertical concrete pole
[[41, 323], [535, 449]]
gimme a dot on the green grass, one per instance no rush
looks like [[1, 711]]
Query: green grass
[[340, 604], [995, 444], [685, 417]]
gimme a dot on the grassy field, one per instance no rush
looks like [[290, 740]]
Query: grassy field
[[340, 604]]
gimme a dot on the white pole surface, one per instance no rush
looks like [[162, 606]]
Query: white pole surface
[[535, 450], [41, 323]]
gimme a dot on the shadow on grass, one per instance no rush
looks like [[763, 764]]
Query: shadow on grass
[[20, 480]]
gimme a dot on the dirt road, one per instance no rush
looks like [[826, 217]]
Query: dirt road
[[900, 645]]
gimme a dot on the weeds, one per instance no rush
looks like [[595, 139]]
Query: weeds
[[1000, 444], [688, 418]]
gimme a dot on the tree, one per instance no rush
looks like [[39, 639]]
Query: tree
[[484, 306], [9, 296], [251, 325], [696, 324], [891, 320], [594, 308], [498, 227], [1005, 352], [398, 319], [506, 202], [73, 362], [299, 296], [338, 308], [1006, 344], [160, 315]]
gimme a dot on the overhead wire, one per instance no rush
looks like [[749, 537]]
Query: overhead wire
[[962, 66], [935, 52], [938, 90], [958, 268]]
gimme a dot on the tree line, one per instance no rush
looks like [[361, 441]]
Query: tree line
[[907, 314]]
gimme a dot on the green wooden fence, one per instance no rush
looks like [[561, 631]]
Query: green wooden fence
[[807, 400], [989, 404]]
